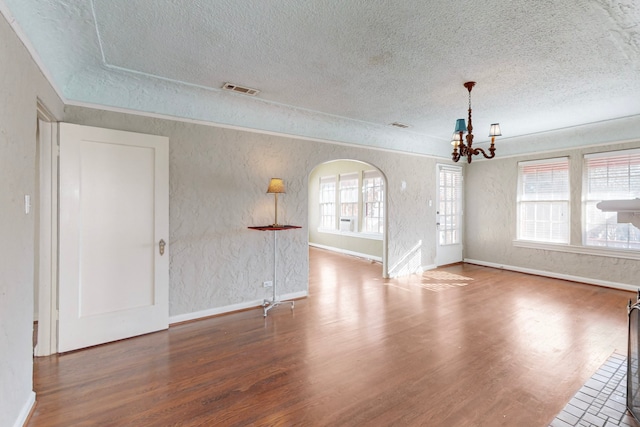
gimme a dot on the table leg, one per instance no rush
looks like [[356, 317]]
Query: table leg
[[274, 302]]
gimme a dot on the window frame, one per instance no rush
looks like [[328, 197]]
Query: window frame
[[450, 203], [327, 208], [544, 206], [375, 207], [348, 197], [590, 198]]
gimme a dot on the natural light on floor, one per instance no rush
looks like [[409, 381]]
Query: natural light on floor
[[456, 280]]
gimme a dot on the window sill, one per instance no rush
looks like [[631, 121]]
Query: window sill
[[584, 250], [370, 236]]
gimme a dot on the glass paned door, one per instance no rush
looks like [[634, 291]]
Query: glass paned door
[[449, 215]]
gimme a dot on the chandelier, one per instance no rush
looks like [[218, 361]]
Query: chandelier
[[460, 149]]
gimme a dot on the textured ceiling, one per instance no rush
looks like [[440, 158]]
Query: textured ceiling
[[344, 70]]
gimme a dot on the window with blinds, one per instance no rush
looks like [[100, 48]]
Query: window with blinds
[[373, 202], [349, 195], [543, 201], [327, 202], [610, 176]]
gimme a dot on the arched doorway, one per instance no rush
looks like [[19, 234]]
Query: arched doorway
[[348, 209]]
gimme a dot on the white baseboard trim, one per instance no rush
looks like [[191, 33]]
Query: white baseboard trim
[[231, 308], [26, 410], [579, 279], [346, 252]]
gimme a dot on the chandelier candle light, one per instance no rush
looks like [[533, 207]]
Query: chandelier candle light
[[460, 149]]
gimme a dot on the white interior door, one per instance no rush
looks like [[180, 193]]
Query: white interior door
[[449, 214], [113, 214]]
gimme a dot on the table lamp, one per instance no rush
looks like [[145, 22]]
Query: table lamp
[[276, 186]]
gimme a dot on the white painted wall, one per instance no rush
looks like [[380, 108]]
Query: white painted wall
[[490, 217], [21, 83], [218, 181]]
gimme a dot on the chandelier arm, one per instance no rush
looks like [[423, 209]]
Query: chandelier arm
[[491, 155]]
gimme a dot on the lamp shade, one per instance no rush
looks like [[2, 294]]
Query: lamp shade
[[276, 186], [456, 139], [494, 130], [461, 126]]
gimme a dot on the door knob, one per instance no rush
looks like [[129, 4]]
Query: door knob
[[162, 244]]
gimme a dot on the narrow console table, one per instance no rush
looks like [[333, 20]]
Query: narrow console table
[[268, 304]]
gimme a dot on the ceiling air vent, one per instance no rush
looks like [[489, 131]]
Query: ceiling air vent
[[240, 89], [399, 125]]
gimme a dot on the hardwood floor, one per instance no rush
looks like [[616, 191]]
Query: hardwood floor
[[459, 346]]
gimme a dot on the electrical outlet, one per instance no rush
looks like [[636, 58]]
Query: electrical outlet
[[267, 284]]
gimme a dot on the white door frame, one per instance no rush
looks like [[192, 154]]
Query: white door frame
[[448, 254], [47, 234]]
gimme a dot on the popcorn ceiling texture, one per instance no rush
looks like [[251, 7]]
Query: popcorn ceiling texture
[[343, 71], [218, 181]]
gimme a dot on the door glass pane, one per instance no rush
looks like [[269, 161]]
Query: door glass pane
[[449, 205]]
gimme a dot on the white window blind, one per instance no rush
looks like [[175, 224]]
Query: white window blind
[[449, 205], [543, 200], [373, 202], [327, 202], [610, 176], [349, 195]]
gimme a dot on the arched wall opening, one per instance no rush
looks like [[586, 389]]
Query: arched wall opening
[[356, 223]]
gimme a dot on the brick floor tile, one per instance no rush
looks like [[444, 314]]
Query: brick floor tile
[[611, 413], [578, 404], [600, 377], [620, 399], [584, 397], [568, 418], [589, 391], [597, 421], [594, 384], [573, 410], [559, 423], [620, 407], [601, 401]]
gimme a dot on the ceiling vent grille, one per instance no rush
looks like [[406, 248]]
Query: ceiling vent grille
[[399, 125], [240, 89]]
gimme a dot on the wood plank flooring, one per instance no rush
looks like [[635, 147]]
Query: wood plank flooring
[[459, 346]]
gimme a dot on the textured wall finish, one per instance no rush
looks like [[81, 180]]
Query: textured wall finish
[[343, 71], [21, 83], [490, 221], [218, 181]]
